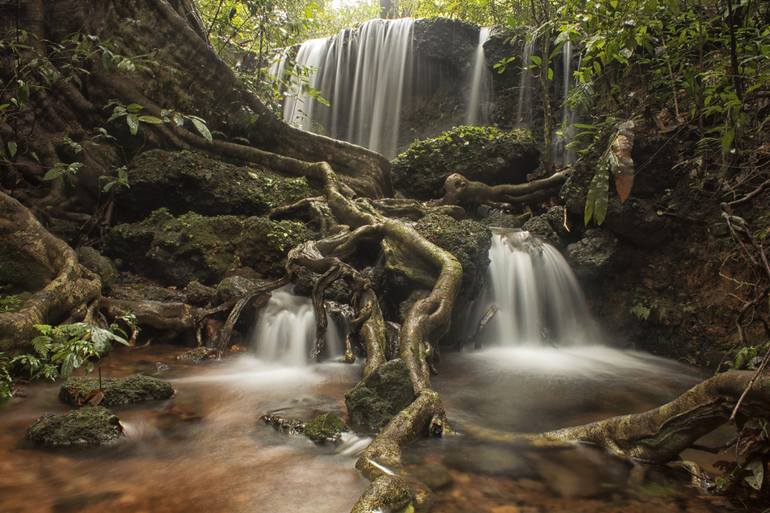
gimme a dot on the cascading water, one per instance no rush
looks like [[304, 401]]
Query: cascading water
[[538, 298], [365, 73], [285, 330], [524, 104], [481, 84], [563, 154]]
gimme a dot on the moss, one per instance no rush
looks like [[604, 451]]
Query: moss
[[469, 242], [485, 154], [117, 391], [12, 303], [86, 427], [326, 427], [379, 397], [186, 181], [177, 250]]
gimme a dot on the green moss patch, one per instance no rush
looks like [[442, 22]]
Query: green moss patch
[[117, 391], [86, 427]]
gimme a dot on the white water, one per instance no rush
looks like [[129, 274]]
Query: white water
[[366, 74], [563, 154], [524, 104], [285, 330], [481, 84], [538, 298]]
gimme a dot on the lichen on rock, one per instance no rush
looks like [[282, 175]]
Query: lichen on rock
[[85, 427], [325, 428], [117, 391], [483, 154]]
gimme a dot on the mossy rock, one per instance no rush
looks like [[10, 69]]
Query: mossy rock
[[117, 391], [324, 428], [469, 242], [186, 181], [177, 250], [379, 397], [484, 154], [91, 426], [99, 265]]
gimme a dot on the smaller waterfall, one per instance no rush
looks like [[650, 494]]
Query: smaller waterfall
[[563, 154], [481, 84], [285, 330], [538, 298], [524, 104]]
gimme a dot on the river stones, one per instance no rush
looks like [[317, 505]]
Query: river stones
[[324, 428], [117, 391], [91, 426], [378, 397]]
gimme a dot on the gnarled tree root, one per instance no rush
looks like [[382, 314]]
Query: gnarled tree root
[[458, 190], [661, 434], [31, 258]]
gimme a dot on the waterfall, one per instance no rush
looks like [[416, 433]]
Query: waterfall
[[538, 298], [366, 74], [563, 154], [285, 330], [524, 104], [481, 84]]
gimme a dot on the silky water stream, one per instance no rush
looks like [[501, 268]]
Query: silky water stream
[[205, 450]]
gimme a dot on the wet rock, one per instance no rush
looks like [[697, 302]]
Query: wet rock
[[638, 222], [484, 154], [452, 41], [469, 242], [117, 391], [434, 476], [489, 460], [541, 227], [593, 254], [99, 265], [198, 355], [325, 428], [233, 287], [379, 396], [177, 250], [85, 427], [198, 294], [186, 181]]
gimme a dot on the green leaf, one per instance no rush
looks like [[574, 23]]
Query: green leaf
[[53, 173], [536, 60], [69, 364], [12, 148], [151, 120], [134, 108], [550, 74], [133, 123], [202, 129]]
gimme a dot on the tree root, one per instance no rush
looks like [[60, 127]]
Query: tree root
[[458, 190], [661, 434], [32, 259]]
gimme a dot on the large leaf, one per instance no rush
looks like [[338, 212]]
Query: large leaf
[[133, 123], [597, 197], [620, 159], [201, 127], [757, 476]]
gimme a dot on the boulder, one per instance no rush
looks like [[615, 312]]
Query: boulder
[[233, 287], [469, 242], [198, 294], [593, 254], [484, 154], [117, 391], [548, 226], [451, 41], [99, 265], [186, 181], [325, 428], [85, 427], [637, 221], [177, 250], [198, 355], [378, 397]]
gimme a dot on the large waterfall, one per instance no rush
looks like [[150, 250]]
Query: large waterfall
[[285, 330], [481, 84], [537, 297], [365, 74]]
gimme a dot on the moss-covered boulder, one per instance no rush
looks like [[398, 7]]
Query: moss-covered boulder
[[483, 154], [99, 265], [177, 250], [85, 427], [469, 242], [117, 391], [380, 396], [186, 181], [325, 428]]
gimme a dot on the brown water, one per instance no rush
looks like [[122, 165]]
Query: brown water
[[205, 450]]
